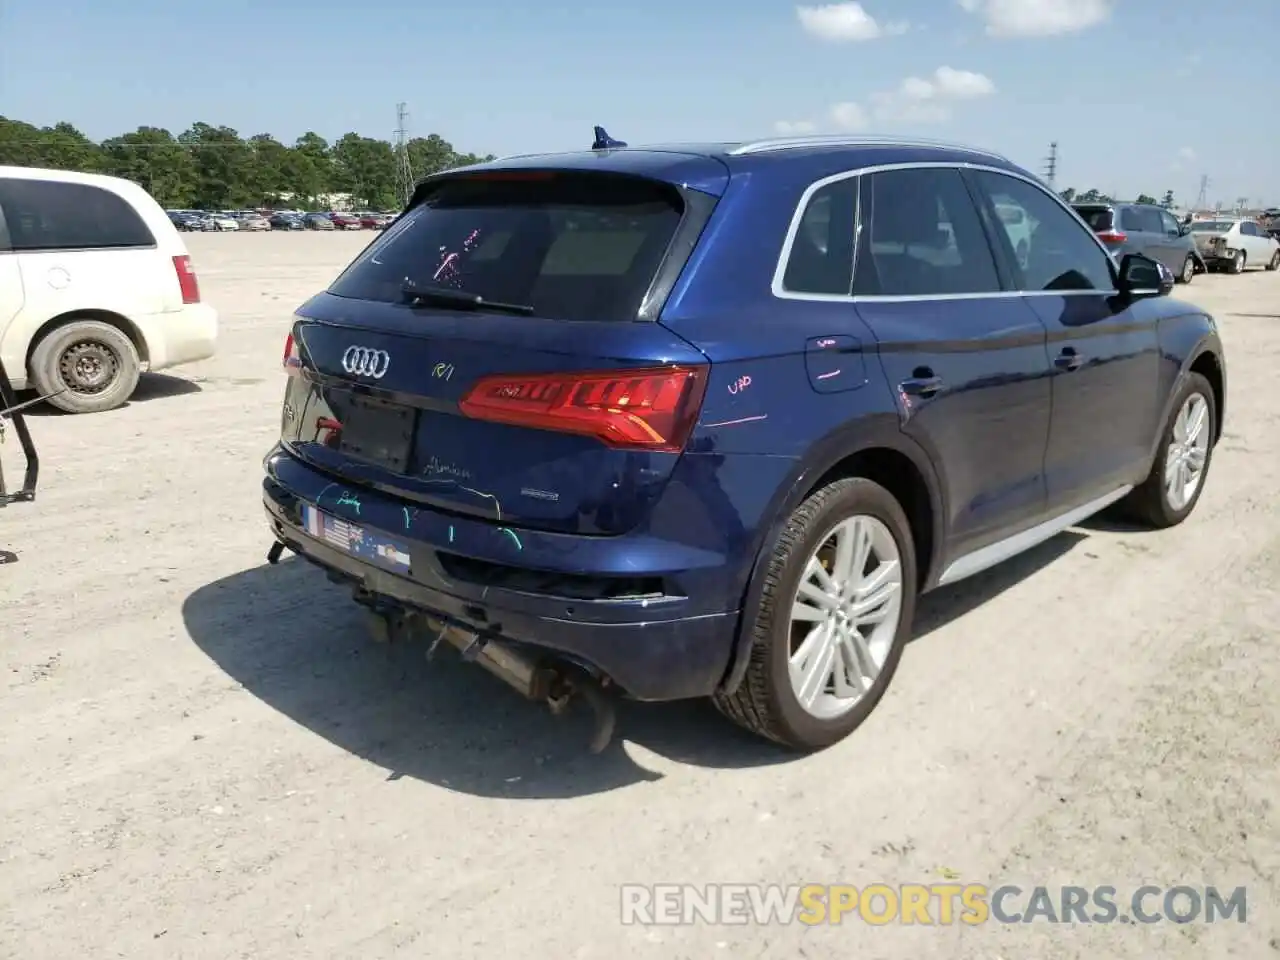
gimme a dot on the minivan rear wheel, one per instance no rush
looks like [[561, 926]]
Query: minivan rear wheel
[[1188, 270], [836, 610], [91, 366]]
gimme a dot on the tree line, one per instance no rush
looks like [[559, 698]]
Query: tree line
[[209, 167], [1097, 196]]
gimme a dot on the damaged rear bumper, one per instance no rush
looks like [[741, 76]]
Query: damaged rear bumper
[[627, 644]]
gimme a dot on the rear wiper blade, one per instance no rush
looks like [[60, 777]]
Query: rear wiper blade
[[459, 300]]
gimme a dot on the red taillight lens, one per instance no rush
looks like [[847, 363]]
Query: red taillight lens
[[1112, 236], [187, 279], [649, 409], [292, 357]]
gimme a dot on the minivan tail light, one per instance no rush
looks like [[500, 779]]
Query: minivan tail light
[[650, 408], [292, 356], [187, 279], [1112, 236]]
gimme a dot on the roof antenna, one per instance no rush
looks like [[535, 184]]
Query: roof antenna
[[606, 142]]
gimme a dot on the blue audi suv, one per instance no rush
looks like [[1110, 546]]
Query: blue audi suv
[[706, 420]]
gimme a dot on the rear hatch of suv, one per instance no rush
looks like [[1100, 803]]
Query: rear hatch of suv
[[1102, 220], [495, 353]]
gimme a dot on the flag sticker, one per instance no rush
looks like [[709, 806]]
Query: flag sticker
[[356, 540]]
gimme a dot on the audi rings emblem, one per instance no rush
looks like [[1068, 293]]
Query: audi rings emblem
[[366, 362]]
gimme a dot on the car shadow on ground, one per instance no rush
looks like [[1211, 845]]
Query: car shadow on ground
[[151, 386], [297, 643]]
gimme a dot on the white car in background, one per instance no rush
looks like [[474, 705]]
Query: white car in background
[[221, 222], [96, 287], [1235, 245]]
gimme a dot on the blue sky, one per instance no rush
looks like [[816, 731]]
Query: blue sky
[[1141, 95]]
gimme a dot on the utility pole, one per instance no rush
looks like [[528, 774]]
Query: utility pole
[[1051, 165], [1202, 198], [404, 165]]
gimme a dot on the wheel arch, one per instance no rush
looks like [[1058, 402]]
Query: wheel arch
[[877, 450], [119, 321]]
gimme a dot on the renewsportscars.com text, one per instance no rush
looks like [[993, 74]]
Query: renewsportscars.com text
[[928, 904]]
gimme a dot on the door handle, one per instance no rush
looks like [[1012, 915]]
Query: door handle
[[921, 386], [1069, 360]]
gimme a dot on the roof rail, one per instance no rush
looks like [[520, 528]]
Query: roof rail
[[841, 140]]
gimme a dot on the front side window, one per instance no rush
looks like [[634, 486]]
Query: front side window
[[820, 260], [1248, 229], [1060, 253], [921, 236], [50, 215], [569, 246], [1170, 224]]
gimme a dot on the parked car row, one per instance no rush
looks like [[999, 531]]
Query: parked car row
[[1230, 244], [262, 220]]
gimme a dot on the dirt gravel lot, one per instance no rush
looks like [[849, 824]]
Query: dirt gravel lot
[[204, 757]]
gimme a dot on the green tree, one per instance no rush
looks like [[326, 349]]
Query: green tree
[[152, 158], [313, 164], [223, 167], [1068, 194], [366, 169], [212, 167], [1167, 202], [270, 169], [1143, 198]]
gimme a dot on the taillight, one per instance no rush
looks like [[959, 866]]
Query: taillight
[[649, 409], [186, 279], [292, 357], [1112, 236]]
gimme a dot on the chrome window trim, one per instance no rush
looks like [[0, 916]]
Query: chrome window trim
[[782, 293]]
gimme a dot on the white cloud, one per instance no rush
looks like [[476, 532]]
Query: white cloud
[[849, 117], [845, 23], [921, 100], [1186, 153], [916, 100], [792, 128], [1039, 18]]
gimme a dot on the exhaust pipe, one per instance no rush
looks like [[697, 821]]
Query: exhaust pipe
[[535, 679], [513, 667]]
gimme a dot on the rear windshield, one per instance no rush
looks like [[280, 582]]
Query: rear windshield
[[570, 246], [1212, 226], [1098, 218]]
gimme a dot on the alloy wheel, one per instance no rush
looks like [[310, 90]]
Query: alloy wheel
[[1188, 451], [844, 616]]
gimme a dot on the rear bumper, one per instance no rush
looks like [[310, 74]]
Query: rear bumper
[[650, 649], [180, 336]]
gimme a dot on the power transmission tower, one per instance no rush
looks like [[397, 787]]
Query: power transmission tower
[[1051, 166], [404, 164], [1202, 198]]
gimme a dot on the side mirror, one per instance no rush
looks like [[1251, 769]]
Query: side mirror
[[1140, 276], [1184, 229]]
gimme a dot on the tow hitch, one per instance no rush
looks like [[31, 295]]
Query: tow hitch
[[555, 684]]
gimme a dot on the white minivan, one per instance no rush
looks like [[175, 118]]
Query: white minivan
[[96, 287]]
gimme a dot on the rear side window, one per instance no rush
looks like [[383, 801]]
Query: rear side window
[[48, 215], [820, 260], [1099, 219], [570, 246], [1141, 220], [922, 236]]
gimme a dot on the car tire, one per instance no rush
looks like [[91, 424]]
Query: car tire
[[766, 702], [1155, 502], [91, 367], [1188, 270], [1238, 264], [1274, 265]]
